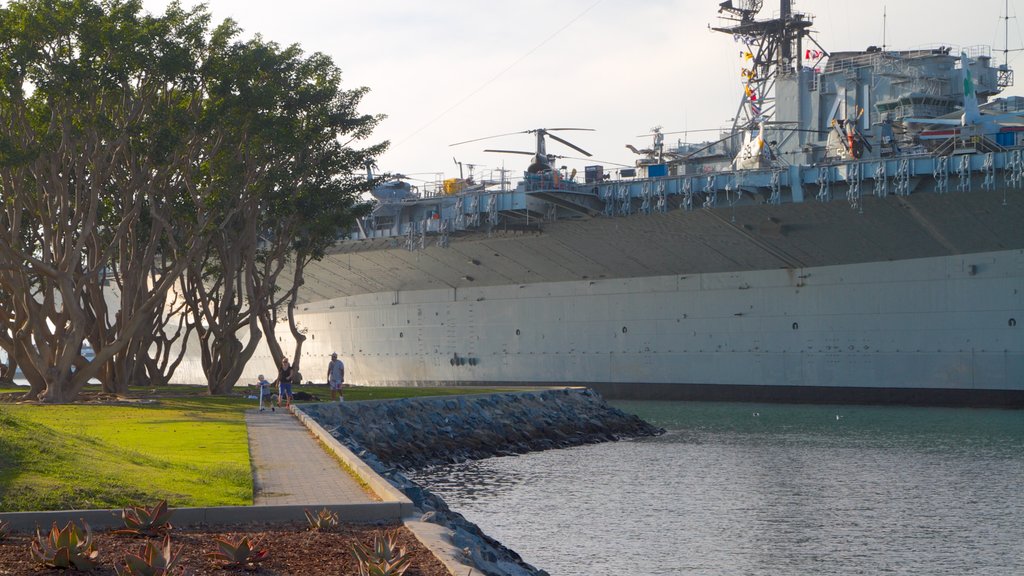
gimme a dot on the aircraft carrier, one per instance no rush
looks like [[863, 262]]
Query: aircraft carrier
[[856, 236]]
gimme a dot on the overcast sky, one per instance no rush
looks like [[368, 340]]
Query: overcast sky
[[444, 71]]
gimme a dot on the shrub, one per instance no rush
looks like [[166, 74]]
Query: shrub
[[384, 558], [155, 560], [244, 553], [142, 521], [65, 547], [322, 521]]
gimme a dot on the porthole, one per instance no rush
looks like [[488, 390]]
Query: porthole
[[401, 334], [796, 326], [517, 331], [624, 330], [1012, 322]]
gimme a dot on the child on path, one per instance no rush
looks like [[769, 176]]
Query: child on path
[[264, 392]]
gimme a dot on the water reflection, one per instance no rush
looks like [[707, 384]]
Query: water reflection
[[474, 480]]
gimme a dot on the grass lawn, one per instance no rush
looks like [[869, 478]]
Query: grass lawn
[[174, 444]]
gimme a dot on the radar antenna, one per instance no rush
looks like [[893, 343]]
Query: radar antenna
[[742, 9]]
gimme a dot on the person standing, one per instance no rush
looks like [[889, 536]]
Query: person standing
[[336, 377], [284, 383]]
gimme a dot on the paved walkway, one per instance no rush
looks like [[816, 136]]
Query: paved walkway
[[291, 467]]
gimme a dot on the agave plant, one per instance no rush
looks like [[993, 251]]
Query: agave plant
[[382, 569], [384, 558], [142, 521], [244, 553], [66, 547], [155, 560], [322, 521]]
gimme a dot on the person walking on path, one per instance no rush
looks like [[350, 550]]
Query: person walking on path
[[284, 383], [336, 377]]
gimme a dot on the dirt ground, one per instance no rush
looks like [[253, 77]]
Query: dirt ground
[[294, 550]]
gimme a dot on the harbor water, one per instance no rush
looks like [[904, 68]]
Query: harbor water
[[763, 490]]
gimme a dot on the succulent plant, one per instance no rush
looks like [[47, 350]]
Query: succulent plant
[[383, 569], [155, 560], [66, 547], [384, 558], [245, 553], [323, 520], [142, 521]]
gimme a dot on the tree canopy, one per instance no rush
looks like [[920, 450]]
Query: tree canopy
[[157, 176]]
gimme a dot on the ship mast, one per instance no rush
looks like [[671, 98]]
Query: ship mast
[[1004, 75], [774, 47]]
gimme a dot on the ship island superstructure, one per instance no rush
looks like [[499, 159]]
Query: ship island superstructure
[[856, 236]]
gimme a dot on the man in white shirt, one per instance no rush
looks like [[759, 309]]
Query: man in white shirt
[[336, 377]]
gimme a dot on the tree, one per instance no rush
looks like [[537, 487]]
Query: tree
[[317, 188], [100, 135], [155, 158], [286, 186]]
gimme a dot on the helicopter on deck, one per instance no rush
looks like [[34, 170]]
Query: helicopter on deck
[[542, 161]]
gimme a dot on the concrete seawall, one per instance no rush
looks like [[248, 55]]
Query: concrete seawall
[[395, 435]]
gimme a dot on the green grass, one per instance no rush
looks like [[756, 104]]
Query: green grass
[[185, 447], [191, 452]]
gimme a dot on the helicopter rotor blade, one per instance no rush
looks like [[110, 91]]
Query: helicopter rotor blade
[[533, 131], [703, 148], [550, 129], [570, 145], [495, 136], [773, 125], [596, 160], [684, 132], [512, 152]]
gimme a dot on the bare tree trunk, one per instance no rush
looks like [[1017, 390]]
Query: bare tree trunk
[[297, 281], [222, 303]]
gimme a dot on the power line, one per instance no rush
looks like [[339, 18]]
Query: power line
[[498, 75]]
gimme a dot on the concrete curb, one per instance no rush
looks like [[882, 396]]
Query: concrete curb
[[213, 516], [438, 540]]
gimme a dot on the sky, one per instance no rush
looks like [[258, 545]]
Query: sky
[[447, 71]]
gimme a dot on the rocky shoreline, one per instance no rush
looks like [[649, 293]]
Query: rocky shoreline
[[392, 436]]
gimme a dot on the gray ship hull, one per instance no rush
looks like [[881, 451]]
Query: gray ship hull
[[911, 311]]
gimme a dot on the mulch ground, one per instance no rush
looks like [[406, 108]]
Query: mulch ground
[[294, 550]]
